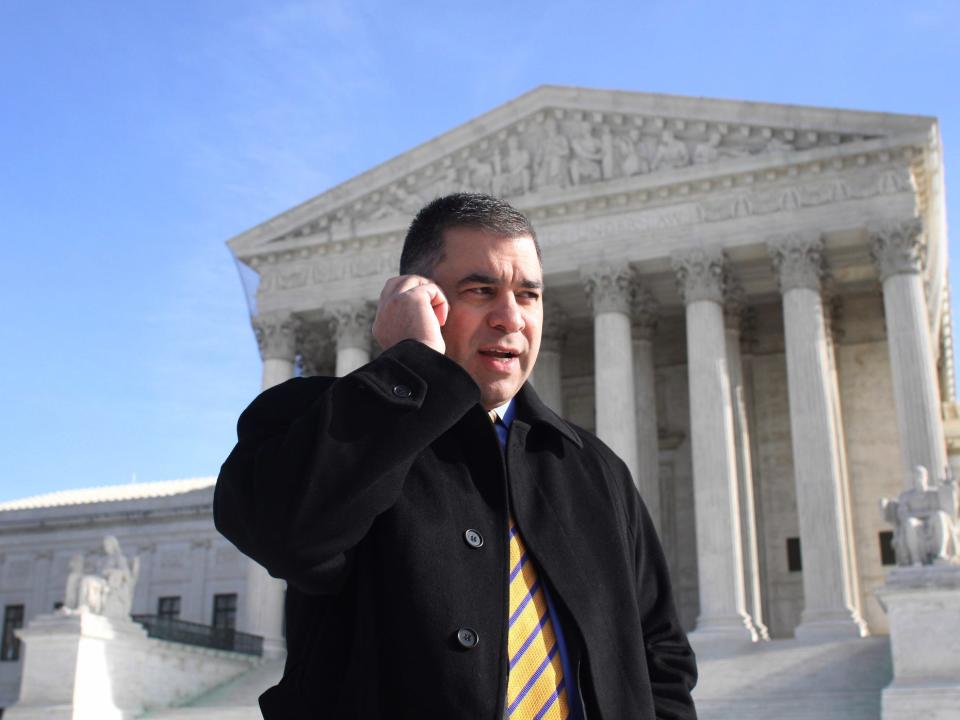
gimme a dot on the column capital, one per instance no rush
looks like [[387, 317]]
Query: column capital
[[897, 247], [353, 323], [700, 274], [609, 288], [798, 260], [646, 313], [315, 348], [554, 327], [276, 335]]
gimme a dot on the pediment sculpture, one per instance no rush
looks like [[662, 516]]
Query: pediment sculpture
[[557, 149], [108, 592], [926, 527]]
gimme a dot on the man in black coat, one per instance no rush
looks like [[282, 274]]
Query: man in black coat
[[452, 547]]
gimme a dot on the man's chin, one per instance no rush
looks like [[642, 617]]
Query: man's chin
[[494, 395]]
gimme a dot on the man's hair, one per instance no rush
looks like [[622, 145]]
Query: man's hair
[[423, 246]]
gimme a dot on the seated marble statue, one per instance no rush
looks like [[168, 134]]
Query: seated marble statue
[[108, 593], [926, 529]]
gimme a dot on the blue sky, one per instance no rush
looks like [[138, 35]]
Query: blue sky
[[135, 138]]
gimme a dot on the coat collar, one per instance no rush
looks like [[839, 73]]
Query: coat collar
[[531, 409]]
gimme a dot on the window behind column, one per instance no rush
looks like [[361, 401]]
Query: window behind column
[[10, 645], [225, 611], [168, 608]]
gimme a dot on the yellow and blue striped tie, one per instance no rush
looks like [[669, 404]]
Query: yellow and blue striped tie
[[536, 689]]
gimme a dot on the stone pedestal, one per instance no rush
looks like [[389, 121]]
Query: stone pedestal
[[83, 666], [923, 607], [74, 668]]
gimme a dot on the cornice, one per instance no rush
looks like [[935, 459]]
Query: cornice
[[105, 518]]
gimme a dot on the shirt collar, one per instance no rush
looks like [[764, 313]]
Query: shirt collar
[[506, 412]]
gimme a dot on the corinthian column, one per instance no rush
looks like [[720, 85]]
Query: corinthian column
[[700, 276], [898, 252], [646, 310], [276, 338], [547, 375], [609, 291], [829, 606], [734, 307], [353, 327], [263, 600]]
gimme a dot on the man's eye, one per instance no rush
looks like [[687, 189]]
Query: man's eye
[[481, 291], [530, 295]]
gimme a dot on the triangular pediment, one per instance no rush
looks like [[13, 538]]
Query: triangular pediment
[[557, 141]]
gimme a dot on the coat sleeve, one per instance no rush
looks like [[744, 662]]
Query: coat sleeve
[[670, 659], [318, 459]]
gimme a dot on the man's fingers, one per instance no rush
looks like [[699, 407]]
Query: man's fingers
[[438, 301], [401, 284]]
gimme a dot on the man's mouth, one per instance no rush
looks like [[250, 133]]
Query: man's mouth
[[502, 353]]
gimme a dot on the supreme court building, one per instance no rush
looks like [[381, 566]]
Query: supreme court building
[[748, 302]]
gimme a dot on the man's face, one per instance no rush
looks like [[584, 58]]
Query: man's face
[[494, 286]]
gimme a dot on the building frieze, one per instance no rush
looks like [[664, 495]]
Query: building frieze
[[717, 199]]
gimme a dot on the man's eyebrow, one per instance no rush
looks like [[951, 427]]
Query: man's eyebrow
[[482, 279]]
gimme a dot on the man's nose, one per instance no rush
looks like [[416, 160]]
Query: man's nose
[[507, 315]]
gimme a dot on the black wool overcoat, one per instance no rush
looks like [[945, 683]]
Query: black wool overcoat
[[359, 492]]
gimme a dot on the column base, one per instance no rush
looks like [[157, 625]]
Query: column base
[[723, 632], [926, 701], [828, 626]]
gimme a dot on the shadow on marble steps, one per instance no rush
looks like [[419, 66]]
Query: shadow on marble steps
[[794, 680], [782, 679]]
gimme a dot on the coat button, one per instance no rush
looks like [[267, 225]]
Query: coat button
[[467, 638], [473, 538], [402, 391]]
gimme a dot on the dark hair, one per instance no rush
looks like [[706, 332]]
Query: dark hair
[[423, 246]]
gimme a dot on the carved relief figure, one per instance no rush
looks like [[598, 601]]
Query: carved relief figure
[[517, 177], [707, 152], [633, 159], [398, 201], [586, 163], [926, 530], [552, 170], [481, 176], [672, 153], [777, 145], [606, 148]]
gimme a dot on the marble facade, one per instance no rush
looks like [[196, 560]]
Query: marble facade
[[747, 301]]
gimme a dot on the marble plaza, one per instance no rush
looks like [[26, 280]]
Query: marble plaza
[[748, 302]]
